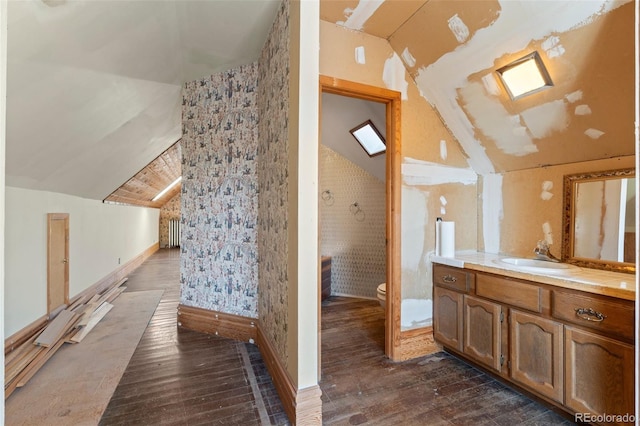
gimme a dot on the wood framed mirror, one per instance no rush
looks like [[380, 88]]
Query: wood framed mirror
[[599, 220]]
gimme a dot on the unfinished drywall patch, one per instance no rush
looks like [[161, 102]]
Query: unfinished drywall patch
[[492, 211], [417, 172], [552, 47], [443, 149], [495, 122], [358, 17], [546, 194], [443, 204], [594, 133], [491, 84], [574, 96], [360, 58], [543, 120], [547, 233], [441, 81], [458, 28], [408, 58], [582, 110], [393, 75], [415, 218]]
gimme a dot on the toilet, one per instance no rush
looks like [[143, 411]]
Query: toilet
[[382, 294]]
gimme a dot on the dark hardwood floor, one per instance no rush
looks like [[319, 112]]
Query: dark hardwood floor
[[180, 377], [361, 386]]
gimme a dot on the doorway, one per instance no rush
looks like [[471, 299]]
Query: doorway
[[57, 261], [392, 101]]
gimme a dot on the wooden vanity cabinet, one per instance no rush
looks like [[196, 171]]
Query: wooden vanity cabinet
[[536, 354], [600, 373], [483, 332], [544, 339], [448, 309]]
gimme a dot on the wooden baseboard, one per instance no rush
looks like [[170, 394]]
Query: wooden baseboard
[[417, 343], [118, 274], [224, 325], [19, 337], [303, 406]]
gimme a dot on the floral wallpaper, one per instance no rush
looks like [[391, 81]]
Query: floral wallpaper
[[171, 210], [273, 105], [354, 236], [219, 251]]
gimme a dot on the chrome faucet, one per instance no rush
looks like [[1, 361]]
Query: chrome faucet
[[542, 252]]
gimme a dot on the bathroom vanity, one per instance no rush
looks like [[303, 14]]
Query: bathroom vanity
[[566, 337]]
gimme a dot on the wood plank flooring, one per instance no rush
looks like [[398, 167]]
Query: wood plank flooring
[[180, 377], [360, 386]]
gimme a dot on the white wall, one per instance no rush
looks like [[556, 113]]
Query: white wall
[[3, 128], [99, 235]]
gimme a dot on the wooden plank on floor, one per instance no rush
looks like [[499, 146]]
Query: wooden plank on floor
[[99, 313], [56, 329], [115, 294], [19, 364], [37, 364]]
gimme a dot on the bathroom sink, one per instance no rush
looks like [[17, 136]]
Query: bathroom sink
[[535, 265]]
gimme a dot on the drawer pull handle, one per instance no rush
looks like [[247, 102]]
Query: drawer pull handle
[[589, 314], [449, 279]]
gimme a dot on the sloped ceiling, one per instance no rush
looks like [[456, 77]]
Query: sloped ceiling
[[94, 87], [452, 49], [149, 182], [340, 114]]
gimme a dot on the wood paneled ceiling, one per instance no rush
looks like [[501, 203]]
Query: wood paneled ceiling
[[150, 181]]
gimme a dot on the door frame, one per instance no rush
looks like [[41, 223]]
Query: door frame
[[50, 218], [392, 100]]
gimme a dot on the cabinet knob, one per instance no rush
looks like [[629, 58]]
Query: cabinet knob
[[449, 279], [589, 314]]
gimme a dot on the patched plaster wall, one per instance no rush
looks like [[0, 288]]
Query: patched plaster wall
[[534, 208], [436, 178]]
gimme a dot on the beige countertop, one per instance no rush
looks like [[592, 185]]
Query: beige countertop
[[615, 284]]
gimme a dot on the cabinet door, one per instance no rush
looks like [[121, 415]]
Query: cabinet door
[[600, 374], [536, 347], [482, 332], [447, 317]]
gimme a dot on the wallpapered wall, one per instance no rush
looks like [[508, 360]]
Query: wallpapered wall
[[219, 251], [273, 106], [354, 237], [171, 210]]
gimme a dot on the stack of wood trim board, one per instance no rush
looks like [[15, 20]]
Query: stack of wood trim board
[[71, 324]]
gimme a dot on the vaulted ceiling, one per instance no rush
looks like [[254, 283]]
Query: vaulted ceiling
[[94, 87]]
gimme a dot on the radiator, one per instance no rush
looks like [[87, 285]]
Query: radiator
[[174, 233]]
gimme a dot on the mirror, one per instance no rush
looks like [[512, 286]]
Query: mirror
[[599, 220]]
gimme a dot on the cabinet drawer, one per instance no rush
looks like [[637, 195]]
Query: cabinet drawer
[[611, 316], [511, 292], [453, 278]]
